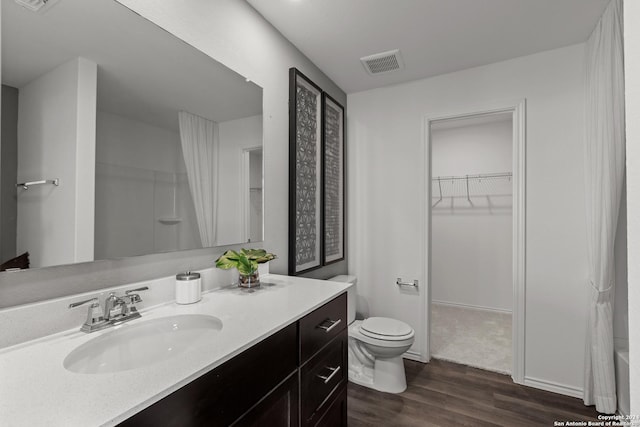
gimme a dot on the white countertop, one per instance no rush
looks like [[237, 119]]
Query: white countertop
[[36, 390]]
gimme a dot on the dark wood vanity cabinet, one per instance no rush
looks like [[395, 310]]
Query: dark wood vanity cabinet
[[323, 365], [295, 377], [278, 409], [320, 379]]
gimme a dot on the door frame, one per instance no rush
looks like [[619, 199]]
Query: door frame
[[246, 191], [518, 111]]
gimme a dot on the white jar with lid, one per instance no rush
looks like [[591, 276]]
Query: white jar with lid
[[188, 288]]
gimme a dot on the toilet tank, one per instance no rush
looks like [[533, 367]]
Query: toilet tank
[[351, 295]]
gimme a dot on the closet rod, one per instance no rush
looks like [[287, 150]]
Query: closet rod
[[478, 176]]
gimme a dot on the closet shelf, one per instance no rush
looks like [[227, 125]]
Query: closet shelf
[[477, 176], [464, 181]]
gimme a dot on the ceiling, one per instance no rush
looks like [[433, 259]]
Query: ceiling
[[434, 36], [144, 72]]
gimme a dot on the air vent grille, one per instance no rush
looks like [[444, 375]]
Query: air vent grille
[[384, 62], [34, 5]]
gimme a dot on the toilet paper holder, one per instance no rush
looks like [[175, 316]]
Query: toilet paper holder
[[400, 283]]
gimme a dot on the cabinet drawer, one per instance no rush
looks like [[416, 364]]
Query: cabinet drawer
[[323, 374], [336, 413], [321, 326], [278, 409]]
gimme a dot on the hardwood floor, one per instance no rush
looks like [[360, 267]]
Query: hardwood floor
[[447, 394]]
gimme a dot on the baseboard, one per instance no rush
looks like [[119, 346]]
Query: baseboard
[[553, 387], [413, 355], [475, 307]]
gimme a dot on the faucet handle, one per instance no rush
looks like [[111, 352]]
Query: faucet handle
[[79, 303], [95, 316], [134, 298], [144, 288]]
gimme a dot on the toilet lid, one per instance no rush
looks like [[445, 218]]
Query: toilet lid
[[385, 327]]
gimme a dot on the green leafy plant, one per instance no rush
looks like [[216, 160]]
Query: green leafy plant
[[245, 260]]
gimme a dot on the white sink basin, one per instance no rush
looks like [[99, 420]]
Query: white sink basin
[[141, 344]]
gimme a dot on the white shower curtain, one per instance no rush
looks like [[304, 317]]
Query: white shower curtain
[[604, 161], [199, 138]]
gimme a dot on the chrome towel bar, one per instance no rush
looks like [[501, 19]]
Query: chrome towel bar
[[26, 185], [400, 283]]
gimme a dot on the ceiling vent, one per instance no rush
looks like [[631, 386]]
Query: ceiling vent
[[384, 62], [35, 5]]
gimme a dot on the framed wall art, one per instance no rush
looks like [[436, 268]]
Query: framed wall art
[[305, 174], [333, 180]]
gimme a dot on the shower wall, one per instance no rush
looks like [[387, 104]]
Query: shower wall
[[143, 201], [471, 237]]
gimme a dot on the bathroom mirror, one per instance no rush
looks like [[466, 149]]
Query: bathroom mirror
[[119, 139]]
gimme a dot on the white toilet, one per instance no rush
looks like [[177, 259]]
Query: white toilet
[[376, 346]]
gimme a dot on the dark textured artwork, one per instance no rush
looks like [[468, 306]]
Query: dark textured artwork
[[333, 183], [307, 208]]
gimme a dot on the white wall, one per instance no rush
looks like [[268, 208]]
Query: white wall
[[56, 122], [471, 242], [139, 171], [632, 94], [385, 171], [235, 136], [85, 160]]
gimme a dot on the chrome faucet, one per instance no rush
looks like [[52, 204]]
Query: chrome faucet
[[117, 309]]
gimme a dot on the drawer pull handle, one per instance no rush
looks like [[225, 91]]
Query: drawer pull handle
[[327, 378], [333, 324]]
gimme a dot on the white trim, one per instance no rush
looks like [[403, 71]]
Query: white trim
[[472, 307], [425, 244], [244, 183], [413, 355], [554, 387], [518, 110], [519, 239], [246, 191], [473, 365]]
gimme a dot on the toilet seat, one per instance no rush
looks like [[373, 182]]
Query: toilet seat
[[385, 329]]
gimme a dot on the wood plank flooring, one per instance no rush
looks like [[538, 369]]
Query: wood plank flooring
[[447, 394]]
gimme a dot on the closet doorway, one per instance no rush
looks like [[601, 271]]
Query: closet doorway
[[475, 239]]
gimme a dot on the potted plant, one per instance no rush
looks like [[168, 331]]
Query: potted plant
[[246, 262]]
